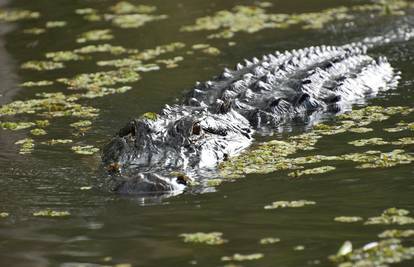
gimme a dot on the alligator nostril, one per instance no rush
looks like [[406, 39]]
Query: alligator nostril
[[196, 130]]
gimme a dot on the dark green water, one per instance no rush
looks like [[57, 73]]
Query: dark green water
[[105, 229]]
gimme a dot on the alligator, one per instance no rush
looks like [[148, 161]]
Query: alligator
[[220, 118]]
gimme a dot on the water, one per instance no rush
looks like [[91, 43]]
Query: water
[[107, 229]]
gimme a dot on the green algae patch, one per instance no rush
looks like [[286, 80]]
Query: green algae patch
[[251, 19], [38, 132], [85, 188], [26, 145], [85, 150], [95, 35], [392, 216], [211, 51], [51, 213], [289, 204], [34, 31], [128, 21], [369, 142], [348, 219], [4, 214], [152, 116], [40, 65], [170, 63], [53, 142], [37, 83], [214, 182], [42, 123], [157, 51], [269, 240], [396, 233], [318, 170], [94, 81], [377, 159], [243, 257], [17, 15], [81, 124], [382, 253], [360, 130], [299, 248], [56, 24], [15, 126], [64, 56], [103, 91], [404, 141], [105, 48], [124, 7], [401, 126], [213, 238]]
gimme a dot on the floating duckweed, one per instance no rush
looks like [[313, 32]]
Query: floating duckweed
[[200, 46], [214, 182], [133, 20], [401, 126], [4, 214], [50, 105], [348, 219], [93, 81], [56, 24], [64, 56], [104, 48], [34, 31], [51, 213], [360, 130], [396, 233], [251, 19], [380, 160], [368, 142], [36, 84], [38, 131], [241, 257], [213, 238], [152, 116], [16, 15], [42, 65], [318, 170], [392, 216], [299, 248], [124, 7], [103, 91], [42, 123], [157, 51], [85, 11], [289, 204], [269, 240], [15, 126], [57, 141], [170, 63], [95, 35], [85, 150], [211, 51], [80, 124], [380, 253], [404, 141], [26, 145]]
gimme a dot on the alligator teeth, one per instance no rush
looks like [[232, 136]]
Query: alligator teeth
[[256, 60], [239, 66], [248, 63]]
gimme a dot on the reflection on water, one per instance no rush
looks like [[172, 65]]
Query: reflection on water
[[116, 73]]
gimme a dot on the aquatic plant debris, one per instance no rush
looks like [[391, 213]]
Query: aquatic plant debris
[[26, 145], [38, 132], [213, 238], [85, 150], [95, 35], [51, 213], [37, 83], [381, 253], [12, 15], [392, 216], [251, 19], [243, 257], [396, 233], [4, 214], [42, 65], [289, 204], [348, 219], [15, 126], [57, 141], [269, 240], [64, 56], [318, 170]]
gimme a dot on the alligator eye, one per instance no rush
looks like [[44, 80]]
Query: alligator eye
[[113, 167], [183, 179], [196, 130]]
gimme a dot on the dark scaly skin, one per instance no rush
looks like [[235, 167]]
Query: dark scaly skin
[[219, 118]]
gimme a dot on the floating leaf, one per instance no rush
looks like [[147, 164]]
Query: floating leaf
[[241, 257], [42, 65], [348, 219], [51, 213], [289, 204]]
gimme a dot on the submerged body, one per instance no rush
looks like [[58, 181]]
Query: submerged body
[[219, 118]]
